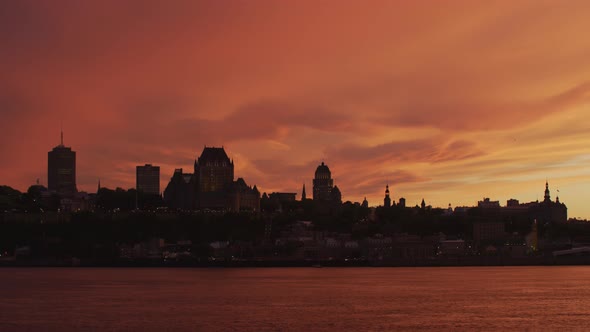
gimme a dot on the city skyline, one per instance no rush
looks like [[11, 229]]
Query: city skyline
[[218, 174], [438, 104]]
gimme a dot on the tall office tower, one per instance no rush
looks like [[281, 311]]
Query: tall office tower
[[147, 179], [61, 169]]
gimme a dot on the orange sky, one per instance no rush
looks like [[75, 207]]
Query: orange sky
[[450, 101]]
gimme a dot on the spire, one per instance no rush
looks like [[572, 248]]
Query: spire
[[303, 194], [423, 204], [387, 200], [547, 193]]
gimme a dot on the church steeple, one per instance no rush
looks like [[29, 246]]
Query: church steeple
[[387, 200], [303, 194], [547, 194]]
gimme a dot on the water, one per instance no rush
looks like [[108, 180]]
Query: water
[[297, 299]]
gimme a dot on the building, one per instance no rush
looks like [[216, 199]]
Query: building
[[61, 169], [402, 202], [180, 192], [283, 197], [486, 203], [243, 197], [322, 183], [324, 189], [548, 211], [211, 186], [489, 232], [214, 174], [336, 196], [544, 212], [147, 179]]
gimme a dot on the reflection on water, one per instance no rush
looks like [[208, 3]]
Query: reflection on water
[[302, 299]]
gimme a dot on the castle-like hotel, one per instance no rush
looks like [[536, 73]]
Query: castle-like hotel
[[211, 186]]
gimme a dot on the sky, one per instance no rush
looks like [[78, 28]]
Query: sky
[[450, 101]]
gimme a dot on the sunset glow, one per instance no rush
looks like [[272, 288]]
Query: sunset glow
[[446, 101]]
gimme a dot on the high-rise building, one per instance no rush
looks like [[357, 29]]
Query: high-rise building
[[147, 179], [61, 169]]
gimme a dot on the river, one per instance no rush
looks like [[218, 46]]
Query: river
[[295, 299]]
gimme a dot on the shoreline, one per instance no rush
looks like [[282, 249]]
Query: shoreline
[[449, 262]]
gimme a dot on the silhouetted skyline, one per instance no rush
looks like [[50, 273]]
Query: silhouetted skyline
[[436, 103]]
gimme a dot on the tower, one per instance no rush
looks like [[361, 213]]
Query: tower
[[147, 179], [387, 200], [61, 169], [214, 173], [547, 194], [322, 183], [336, 195]]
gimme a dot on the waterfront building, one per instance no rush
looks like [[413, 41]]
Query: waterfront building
[[544, 212], [488, 232], [548, 211]]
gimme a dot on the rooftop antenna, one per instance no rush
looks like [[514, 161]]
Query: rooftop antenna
[[61, 127]]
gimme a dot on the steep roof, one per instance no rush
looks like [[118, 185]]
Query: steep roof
[[212, 154]]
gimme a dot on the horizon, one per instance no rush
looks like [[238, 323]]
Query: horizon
[[435, 103]]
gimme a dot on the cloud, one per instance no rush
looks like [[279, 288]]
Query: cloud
[[438, 103]]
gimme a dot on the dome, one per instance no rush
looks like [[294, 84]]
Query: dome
[[322, 170]]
